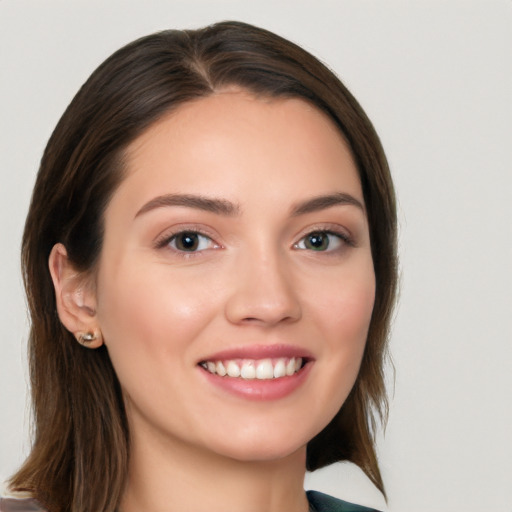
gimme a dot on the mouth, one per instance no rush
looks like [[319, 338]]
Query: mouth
[[258, 372], [268, 368]]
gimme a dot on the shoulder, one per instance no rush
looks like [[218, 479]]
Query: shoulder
[[20, 505], [324, 503]]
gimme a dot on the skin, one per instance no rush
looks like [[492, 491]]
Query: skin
[[253, 281]]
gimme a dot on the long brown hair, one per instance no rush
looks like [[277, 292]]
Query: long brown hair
[[80, 452]]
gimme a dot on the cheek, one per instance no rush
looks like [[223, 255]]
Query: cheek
[[353, 313], [345, 306], [150, 314], [344, 313]]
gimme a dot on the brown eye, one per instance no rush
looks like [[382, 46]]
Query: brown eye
[[190, 241]]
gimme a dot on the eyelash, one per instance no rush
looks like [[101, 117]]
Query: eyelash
[[168, 239], [342, 239]]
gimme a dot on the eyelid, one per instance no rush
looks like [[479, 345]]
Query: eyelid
[[343, 234], [164, 238]]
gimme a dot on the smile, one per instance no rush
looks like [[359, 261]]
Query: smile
[[259, 369]]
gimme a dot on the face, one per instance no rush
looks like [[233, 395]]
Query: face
[[235, 285]]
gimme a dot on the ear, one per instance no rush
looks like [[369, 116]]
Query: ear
[[76, 299]]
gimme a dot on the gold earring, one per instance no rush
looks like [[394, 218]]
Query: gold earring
[[86, 338]]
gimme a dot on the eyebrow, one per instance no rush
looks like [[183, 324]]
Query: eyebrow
[[327, 201], [218, 206]]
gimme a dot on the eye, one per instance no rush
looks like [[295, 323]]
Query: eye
[[321, 241], [190, 241]]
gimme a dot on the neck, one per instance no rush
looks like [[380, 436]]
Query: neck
[[178, 477]]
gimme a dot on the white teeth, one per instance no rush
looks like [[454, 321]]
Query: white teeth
[[233, 369], [219, 368], [262, 369], [279, 369], [290, 367], [248, 370]]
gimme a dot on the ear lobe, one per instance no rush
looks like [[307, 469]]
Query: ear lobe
[[75, 298]]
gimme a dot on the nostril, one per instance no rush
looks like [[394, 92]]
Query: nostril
[[265, 319]]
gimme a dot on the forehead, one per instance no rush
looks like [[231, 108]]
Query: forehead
[[234, 138], [240, 106]]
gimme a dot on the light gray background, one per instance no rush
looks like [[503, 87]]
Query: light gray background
[[435, 78]]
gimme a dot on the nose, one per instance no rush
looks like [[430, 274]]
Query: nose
[[264, 292]]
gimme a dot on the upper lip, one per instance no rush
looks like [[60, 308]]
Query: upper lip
[[259, 352]]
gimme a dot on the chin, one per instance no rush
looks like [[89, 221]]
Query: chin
[[263, 448], [267, 454]]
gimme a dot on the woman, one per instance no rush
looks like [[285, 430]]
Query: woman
[[210, 264]]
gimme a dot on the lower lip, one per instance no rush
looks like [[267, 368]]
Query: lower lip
[[260, 390]]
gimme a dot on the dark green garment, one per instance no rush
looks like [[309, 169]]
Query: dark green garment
[[319, 502]]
